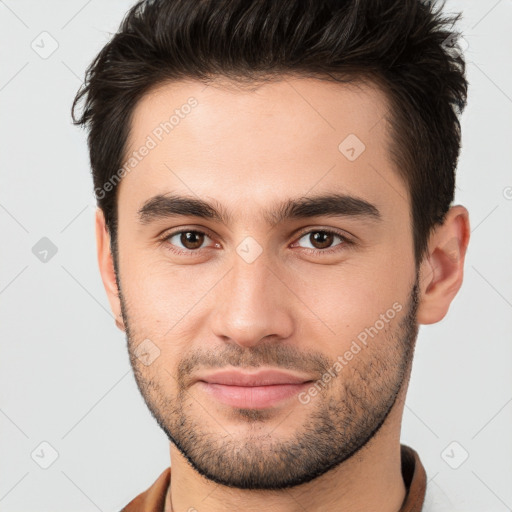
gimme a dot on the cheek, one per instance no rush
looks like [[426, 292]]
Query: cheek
[[352, 298], [163, 302]]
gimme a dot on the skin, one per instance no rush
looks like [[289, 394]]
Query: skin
[[290, 308]]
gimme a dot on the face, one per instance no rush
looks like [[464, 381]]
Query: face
[[301, 261]]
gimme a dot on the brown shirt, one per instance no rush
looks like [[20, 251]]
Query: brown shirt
[[413, 472]]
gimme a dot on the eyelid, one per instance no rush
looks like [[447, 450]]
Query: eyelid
[[338, 232]]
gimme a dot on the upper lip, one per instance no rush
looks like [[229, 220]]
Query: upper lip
[[261, 378]]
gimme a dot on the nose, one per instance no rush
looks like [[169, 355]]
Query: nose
[[252, 303]]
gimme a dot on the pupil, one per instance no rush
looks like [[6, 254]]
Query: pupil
[[319, 235], [187, 239]]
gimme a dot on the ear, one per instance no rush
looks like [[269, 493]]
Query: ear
[[106, 265], [441, 270]]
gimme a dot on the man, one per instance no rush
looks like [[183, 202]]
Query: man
[[274, 182]]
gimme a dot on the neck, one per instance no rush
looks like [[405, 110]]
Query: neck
[[369, 480]]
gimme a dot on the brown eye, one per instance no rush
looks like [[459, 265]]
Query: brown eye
[[321, 240], [192, 239], [189, 240]]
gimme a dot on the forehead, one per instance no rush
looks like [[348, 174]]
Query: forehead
[[274, 140]]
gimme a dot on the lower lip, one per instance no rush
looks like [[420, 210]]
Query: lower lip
[[252, 397]]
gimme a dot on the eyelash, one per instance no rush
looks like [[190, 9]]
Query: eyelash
[[192, 252]]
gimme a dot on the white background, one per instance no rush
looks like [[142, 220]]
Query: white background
[[64, 370]]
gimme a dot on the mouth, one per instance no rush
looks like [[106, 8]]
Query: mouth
[[260, 390], [252, 397]]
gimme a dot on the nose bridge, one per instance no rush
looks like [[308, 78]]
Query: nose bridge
[[250, 304], [249, 281]]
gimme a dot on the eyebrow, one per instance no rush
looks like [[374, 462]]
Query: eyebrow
[[333, 205]]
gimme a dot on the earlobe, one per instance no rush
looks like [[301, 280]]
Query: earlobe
[[120, 323], [442, 269], [106, 266]]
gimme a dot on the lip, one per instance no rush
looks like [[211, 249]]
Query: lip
[[259, 390], [260, 378]]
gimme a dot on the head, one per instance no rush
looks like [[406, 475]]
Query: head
[[274, 183]]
